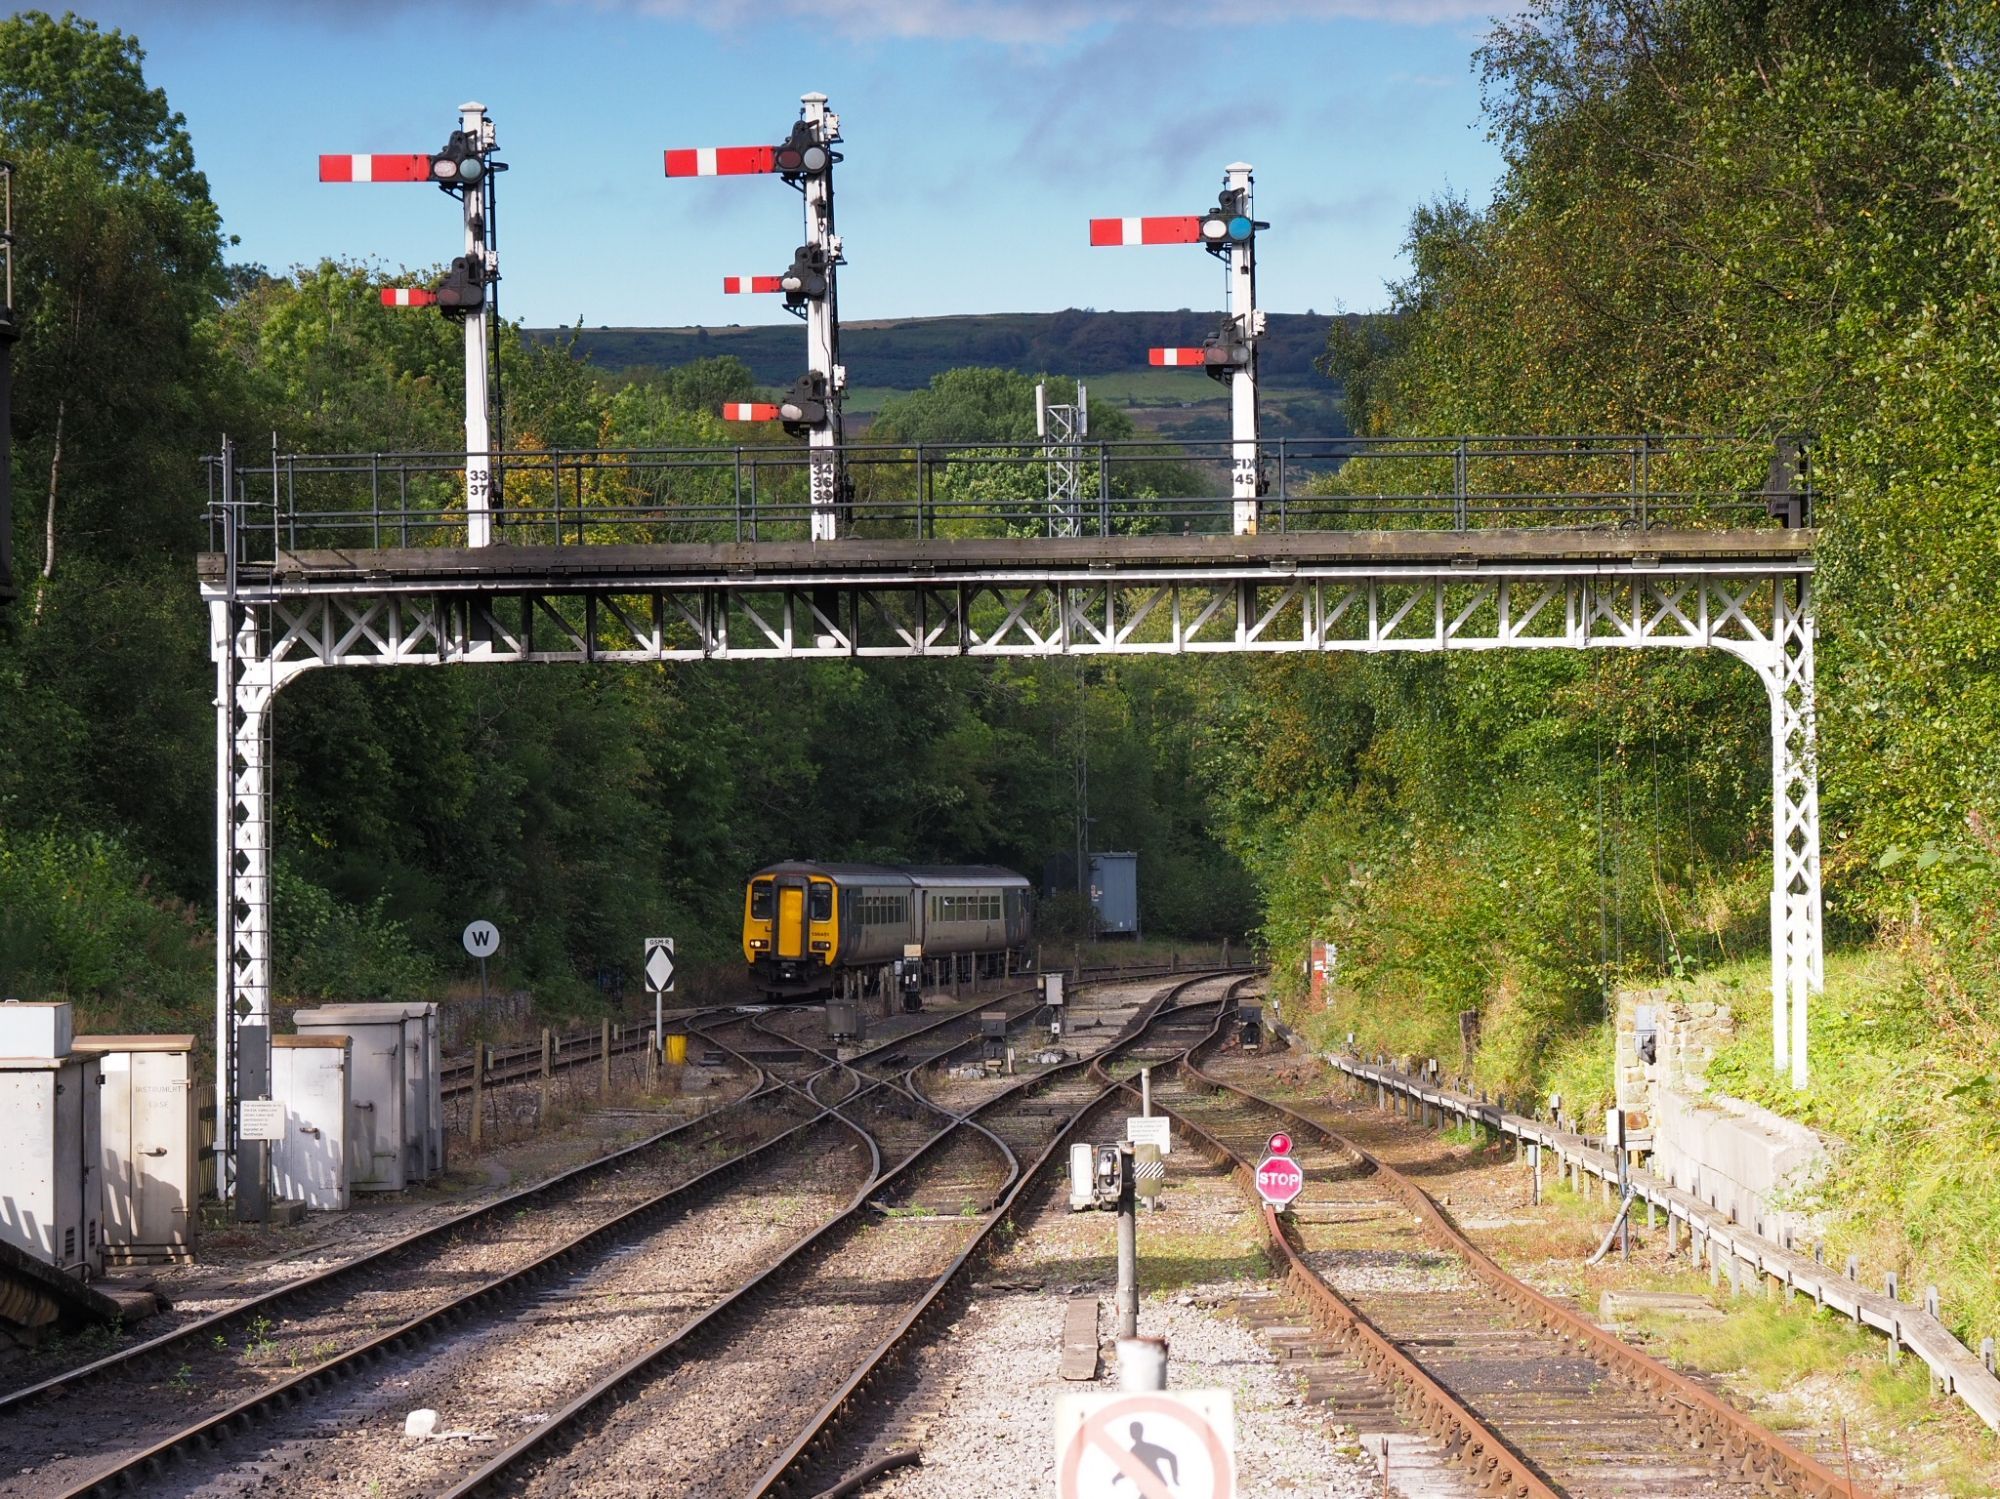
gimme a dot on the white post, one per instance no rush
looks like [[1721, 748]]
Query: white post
[[478, 440], [243, 861], [219, 626], [1242, 306], [823, 332], [1797, 955]]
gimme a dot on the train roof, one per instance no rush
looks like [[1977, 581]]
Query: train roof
[[902, 874]]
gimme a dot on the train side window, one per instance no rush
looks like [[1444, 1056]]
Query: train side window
[[760, 901], [822, 903]]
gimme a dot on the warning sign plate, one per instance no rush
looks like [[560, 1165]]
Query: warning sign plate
[[1156, 1445]]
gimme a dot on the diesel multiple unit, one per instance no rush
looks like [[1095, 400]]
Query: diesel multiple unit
[[814, 928]]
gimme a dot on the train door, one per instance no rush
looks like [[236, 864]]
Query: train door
[[790, 938]]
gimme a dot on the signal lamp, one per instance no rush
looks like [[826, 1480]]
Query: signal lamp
[[805, 404], [459, 163], [806, 277], [463, 288], [1229, 222], [802, 154]]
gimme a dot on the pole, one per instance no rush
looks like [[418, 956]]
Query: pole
[[482, 978], [548, 1074], [1146, 1092], [604, 1059], [1242, 307], [1128, 1247], [478, 1093], [478, 440], [828, 481]]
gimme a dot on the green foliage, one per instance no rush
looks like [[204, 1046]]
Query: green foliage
[[79, 922]]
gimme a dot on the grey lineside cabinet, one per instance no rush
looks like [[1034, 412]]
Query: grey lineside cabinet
[[310, 1076], [396, 1119], [149, 1152], [51, 1197]]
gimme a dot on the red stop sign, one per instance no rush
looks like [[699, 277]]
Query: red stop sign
[[1279, 1180]]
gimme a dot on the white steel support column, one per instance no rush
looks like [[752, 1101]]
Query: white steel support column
[[244, 687], [1242, 306], [478, 439], [1797, 952], [823, 332]]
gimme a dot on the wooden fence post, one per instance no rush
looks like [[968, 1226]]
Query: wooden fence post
[[548, 1071], [478, 1093]]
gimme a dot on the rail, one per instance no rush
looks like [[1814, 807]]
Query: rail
[[285, 502], [1713, 1239], [1688, 1404]]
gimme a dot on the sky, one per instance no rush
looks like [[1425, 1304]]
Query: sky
[[980, 136]]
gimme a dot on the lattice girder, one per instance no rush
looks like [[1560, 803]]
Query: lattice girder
[[1759, 612]]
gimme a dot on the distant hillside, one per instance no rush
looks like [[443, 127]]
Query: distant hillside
[[1106, 349]]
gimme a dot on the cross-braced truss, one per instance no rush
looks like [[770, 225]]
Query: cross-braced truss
[[1759, 612]]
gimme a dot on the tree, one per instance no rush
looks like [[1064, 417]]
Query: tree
[[119, 262]]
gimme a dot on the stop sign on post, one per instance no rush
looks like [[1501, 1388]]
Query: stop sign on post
[[1279, 1180]]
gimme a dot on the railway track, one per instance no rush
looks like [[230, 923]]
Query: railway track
[[782, 1128], [520, 1064], [1527, 1397], [701, 1411]]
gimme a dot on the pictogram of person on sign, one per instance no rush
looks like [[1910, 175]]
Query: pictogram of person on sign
[[1152, 1455]]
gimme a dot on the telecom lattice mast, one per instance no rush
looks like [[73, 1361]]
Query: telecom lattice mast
[[805, 160], [1228, 231], [465, 169], [1062, 429]]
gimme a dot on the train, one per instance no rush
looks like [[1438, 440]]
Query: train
[[813, 930]]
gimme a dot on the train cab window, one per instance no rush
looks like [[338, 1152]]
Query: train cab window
[[821, 907], [760, 901]]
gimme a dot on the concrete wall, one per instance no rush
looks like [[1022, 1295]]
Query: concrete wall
[[1740, 1159]]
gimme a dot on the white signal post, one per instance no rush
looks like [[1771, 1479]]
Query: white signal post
[[1228, 230], [806, 159], [478, 438], [475, 189], [1242, 306], [823, 332]]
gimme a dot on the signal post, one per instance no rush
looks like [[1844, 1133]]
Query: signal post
[[812, 407], [464, 169], [1229, 232]]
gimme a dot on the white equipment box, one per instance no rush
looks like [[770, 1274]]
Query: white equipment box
[[150, 1158], [310, 1080]]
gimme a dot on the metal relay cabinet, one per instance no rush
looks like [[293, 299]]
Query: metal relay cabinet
[[310, 1076], [396, 1130], [149, 1152], [51, 1193]]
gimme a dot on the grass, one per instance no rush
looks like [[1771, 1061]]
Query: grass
[[1909, 1093], [1798, 1365], [1805, 1366]]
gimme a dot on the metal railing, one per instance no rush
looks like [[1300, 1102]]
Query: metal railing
[[946, 491]]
